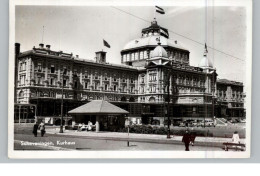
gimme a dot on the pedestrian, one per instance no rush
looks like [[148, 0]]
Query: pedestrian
[[235, 138], [35, 128], [89, 126], [42, 128], [186, 140], [79, 127]]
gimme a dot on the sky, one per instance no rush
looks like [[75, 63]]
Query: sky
[[81, 30]]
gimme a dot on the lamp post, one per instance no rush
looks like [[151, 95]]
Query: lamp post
[[168, 108], [168, 103], [62, 87]]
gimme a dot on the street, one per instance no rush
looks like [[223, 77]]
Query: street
[[73, 140], [97, 144]]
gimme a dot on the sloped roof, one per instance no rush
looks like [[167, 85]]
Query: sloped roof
[[98, 107], [226, 81]]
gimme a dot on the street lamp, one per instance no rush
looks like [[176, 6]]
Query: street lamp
[[62, 87], [168, 110], [168, 104]]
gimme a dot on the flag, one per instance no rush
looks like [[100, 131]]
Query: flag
[[206, 48], [106, 44], [159, 10], [164, 33]]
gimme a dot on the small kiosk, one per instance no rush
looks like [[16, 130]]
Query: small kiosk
[[105, 116]]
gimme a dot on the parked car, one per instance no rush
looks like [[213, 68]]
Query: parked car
[[176, 123], [194, 124], [200, 123], [182, 124], [207, 123]]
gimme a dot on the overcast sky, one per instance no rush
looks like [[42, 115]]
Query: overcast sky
[[80, 30]]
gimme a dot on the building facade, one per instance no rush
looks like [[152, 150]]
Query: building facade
[[230, 99], [154, 80]]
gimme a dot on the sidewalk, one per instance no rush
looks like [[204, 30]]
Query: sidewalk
[[149, 138]]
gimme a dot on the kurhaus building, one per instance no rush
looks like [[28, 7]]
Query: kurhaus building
[[155, 72]]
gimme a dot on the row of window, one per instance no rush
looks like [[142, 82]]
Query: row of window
[[52, 69], [144, 55], [86, 75], [135, 56], [234, 95], [96, 86], [176, 56]]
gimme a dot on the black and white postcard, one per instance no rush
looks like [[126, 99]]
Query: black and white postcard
[[130, 79]]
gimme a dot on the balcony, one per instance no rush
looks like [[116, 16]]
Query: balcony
[[115, 80], [86, 78], [96, 79], [105, 79]]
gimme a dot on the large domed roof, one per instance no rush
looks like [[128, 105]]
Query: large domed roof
[[159, 51], [151, 41]]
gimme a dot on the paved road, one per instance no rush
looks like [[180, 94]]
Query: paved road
[[96, 144]]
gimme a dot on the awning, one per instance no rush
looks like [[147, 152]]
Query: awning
[[98, 107]]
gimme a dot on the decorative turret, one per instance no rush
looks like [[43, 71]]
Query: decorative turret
[[155, 29], [159, 51], [205, 62], [159, 55]]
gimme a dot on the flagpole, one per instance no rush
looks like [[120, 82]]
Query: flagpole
[[42, 33], [154, 12]]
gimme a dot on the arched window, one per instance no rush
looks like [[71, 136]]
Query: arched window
[[21, 94], [132, 99], [152, 99], [123, 99]]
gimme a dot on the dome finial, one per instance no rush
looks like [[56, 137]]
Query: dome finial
[[154, 21], [205, 61], [205, 50]]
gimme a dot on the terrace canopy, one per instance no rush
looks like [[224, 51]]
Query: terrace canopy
[[98, 108]]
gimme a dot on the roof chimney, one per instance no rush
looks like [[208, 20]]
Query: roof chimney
[[101, 57], [17, 48], [77, 56], [41, 45], [48, 47]]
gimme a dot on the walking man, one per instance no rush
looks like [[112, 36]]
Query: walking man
[[186, 140], [42, 128], [35, 128]]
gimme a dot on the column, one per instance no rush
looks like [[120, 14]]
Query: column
[[127, 85], [32, 77], [70, 78], [97, 123], [46, 72], [73, 121], [91, 80], [59, 68], [158, 81], [66, 122], [81, 78], [161, 121], [119, 89]]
